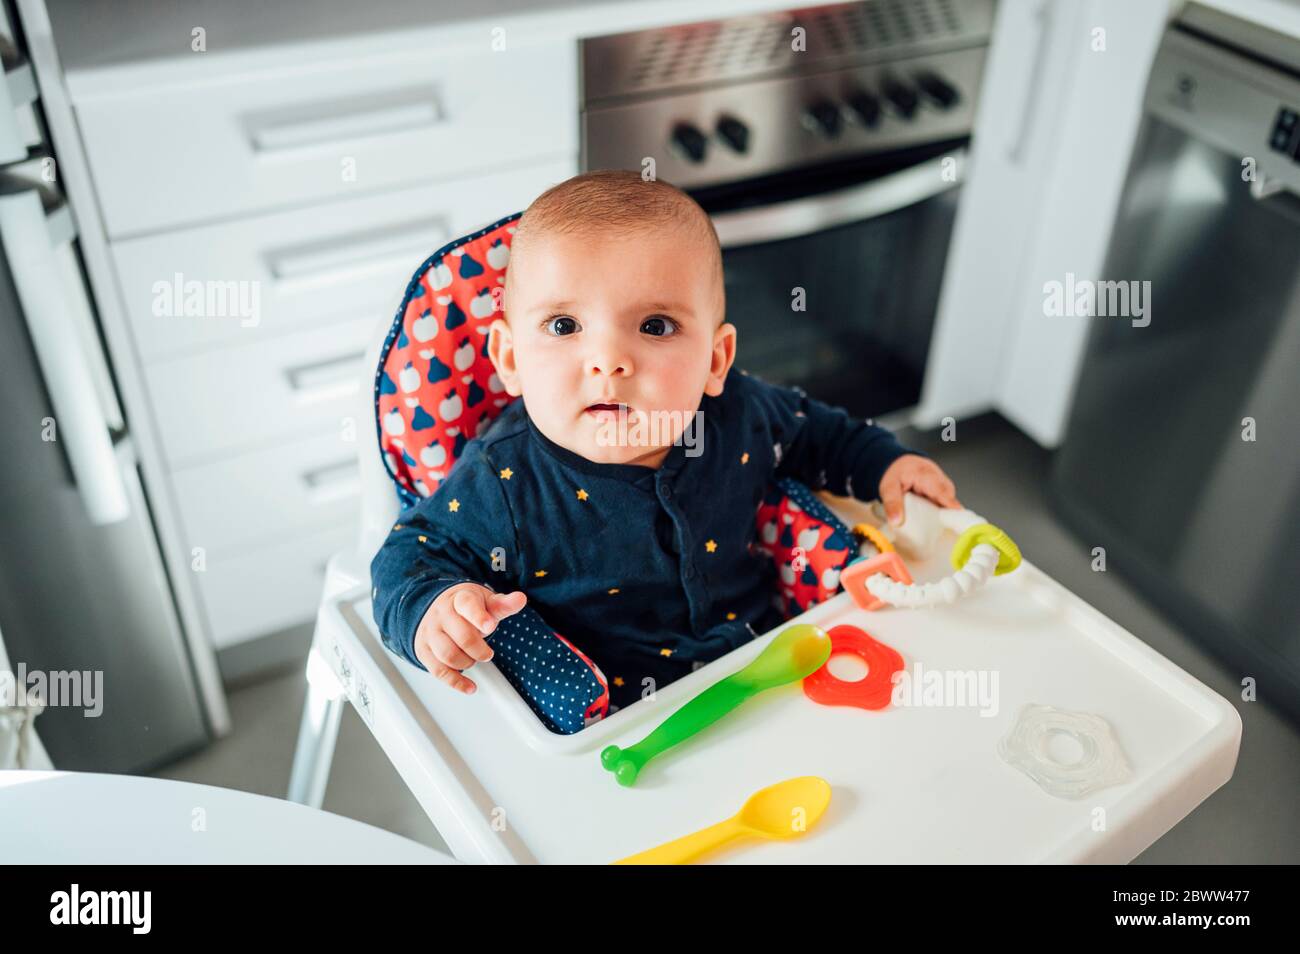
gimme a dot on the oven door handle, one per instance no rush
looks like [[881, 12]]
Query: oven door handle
[[808, 214]]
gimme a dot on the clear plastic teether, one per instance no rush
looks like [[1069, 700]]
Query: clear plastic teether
[[1026, 747]]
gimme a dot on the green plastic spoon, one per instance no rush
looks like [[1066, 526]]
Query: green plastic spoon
[[796, 652]]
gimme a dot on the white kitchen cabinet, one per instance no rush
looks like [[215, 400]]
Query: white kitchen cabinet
[[315, 265], [273, 587], [1055, 129], [293, 488], [311, 131], [228, 401]]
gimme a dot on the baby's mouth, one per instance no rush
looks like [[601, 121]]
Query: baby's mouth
[[607, 411]]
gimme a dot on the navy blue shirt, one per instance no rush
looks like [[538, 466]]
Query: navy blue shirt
[[646, 570]]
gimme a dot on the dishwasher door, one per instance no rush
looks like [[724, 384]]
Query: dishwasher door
[[1182, 455]]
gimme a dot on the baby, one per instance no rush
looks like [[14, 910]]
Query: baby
[[618, 497]]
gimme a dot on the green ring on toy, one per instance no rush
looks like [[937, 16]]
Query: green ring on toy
[[971, 537]]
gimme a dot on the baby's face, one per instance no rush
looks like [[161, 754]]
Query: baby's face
[[632, 321]]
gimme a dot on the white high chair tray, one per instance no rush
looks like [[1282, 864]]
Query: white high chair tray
[[909, 784]]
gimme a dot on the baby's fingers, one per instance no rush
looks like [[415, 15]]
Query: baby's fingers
[[471, 605], [440, 670], [445, 644], [937, 486], [466, 643], [468, 622], [891, 497], [502, 605]]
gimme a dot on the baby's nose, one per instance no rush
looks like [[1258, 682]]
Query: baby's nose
[[609, 364]]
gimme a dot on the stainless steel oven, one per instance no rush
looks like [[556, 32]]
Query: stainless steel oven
[[828, 145]]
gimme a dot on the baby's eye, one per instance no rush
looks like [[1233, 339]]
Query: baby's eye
[[561, 325], [661, 326]]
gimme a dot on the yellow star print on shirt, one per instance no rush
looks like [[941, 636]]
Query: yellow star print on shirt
[[540, 573], [744, 458], [454, 505], [507, 474], [711, 545], [582, 494], [665, 652]]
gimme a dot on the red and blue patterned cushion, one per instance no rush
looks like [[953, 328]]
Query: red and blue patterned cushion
[[436, 385], [435, 388]]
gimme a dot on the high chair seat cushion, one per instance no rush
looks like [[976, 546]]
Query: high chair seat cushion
[[436, 389], [435, 386]]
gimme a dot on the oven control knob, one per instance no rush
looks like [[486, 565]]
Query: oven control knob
[[903, 98], [865, 107], [823, 117], [733, 132], [690, 141], [938, 90]]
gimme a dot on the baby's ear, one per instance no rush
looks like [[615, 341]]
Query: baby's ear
[[501, 353], [724, 355]]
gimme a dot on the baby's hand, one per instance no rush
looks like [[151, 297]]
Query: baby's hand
[[919, 475], [450, 637]]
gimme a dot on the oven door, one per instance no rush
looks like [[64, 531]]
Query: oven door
[[833, 273]]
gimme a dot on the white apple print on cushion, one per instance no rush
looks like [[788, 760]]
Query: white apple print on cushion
[[787, 574], [425, 328], [494, 384], [498, 255], [435, 455], [807, 539], [769, 532], [464, 356], [409, 378], [393, 423], [830, 579], [440, 277], [482, 305], [451, 407]]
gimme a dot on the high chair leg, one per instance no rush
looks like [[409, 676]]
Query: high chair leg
[[317, 734]]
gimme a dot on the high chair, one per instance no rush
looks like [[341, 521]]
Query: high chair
[[503, 779]]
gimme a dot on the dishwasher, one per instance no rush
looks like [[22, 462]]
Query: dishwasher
[[1182, 455]]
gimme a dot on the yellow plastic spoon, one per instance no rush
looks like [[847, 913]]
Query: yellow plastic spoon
[[784, 810]]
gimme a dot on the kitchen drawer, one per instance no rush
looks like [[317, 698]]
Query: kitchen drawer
[[237, 399], [269, 588], [199, 152], [338, 259], [254, 500]]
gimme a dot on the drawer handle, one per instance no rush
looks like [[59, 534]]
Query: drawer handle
[[353, 119], [331, 482], [326, 379], [356, 255]]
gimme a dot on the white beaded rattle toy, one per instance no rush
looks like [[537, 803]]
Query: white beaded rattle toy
[[982, 550]]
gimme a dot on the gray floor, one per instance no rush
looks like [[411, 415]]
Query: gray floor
[[998, 472]]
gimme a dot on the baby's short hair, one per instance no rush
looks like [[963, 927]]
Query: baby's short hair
[[620, 202]]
